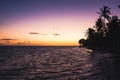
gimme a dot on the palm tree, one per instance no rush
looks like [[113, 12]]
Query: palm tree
[[90, 34], [99, 25], [105, 12]]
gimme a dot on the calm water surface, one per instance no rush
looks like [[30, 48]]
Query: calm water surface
[[54, 63]]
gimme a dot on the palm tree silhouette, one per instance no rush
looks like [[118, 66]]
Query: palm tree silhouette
[[105, 12], [99, 25], [90, 33]]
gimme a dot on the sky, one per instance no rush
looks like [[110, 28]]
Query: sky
[[49, 22]]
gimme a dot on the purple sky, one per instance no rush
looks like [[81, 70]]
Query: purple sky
[[16, 9], [69, 19]]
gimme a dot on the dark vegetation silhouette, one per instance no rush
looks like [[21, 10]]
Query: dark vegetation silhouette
[[106, 32]]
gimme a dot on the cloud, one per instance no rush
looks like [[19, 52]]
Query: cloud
[[33, 33], [37, 33], [7, 40], [56, 34]]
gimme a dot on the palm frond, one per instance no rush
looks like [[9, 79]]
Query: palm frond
[[98, 12]]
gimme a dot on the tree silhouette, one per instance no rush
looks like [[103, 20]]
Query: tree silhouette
[[100, 27], [90, 33], [82, 42], [105, 12], [103, 35], [113, 32]]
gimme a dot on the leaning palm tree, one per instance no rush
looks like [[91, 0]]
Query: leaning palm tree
[[105, 12]]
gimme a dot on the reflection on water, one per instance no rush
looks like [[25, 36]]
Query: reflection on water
[[53, 63]]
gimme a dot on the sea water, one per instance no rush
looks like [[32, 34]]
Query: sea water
[[53, 63]]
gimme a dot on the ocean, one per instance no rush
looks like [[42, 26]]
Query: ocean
[[55, 63]]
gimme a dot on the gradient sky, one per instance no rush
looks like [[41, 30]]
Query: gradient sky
[[48, 22]]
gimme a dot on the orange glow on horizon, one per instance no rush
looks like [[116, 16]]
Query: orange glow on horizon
[[52, 31], [48, 22], [38, 43]]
